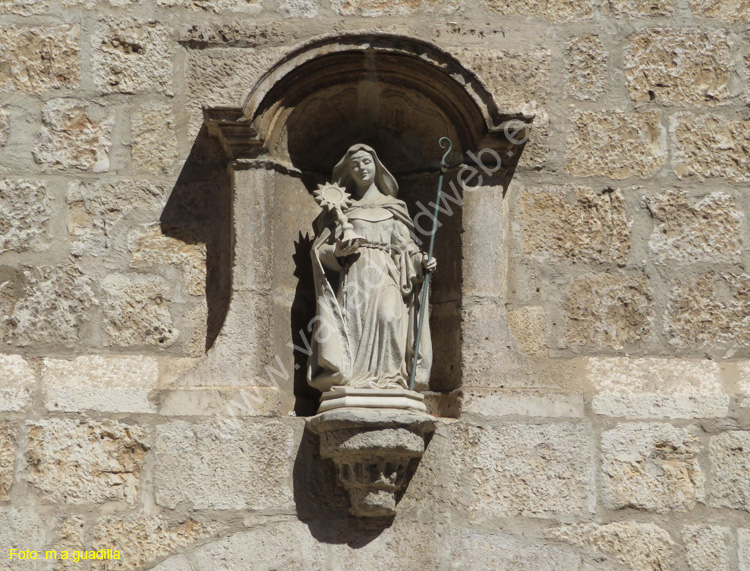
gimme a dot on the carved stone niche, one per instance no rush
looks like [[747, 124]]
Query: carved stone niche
[[399, 96]]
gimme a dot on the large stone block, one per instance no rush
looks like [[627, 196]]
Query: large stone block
[[98, 382], [642, 8], [554, 10], [72, 137], [707, 231], [223, 77], [131, 56], [706, 146], [616, 144], [710, 311], [143, 540], [726, 10], [730, 470], [608, 311], [502, 402], [137, 311], [641, 546], [95, 210], [52, 307], [216, 6], [154, 142], [743, 539], [530, 329], [25, 210], [707, 548], [517, 469], [20, 527], [82, 462], [586, 67], [574, 224], [7, 459], [150, 247], [226, 465], [378, 8], [653, 388], [17, 380], [24, 7], [516, 79], [38, 59], [686, 66], [651, 467]]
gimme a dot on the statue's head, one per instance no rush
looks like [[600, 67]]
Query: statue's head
[[359, 167]]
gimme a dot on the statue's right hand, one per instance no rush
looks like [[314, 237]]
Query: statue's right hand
[[346, 248]]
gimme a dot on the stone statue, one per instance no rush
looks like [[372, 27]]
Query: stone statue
[[368, 273]]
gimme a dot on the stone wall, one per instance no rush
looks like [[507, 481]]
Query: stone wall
[[621, 442]]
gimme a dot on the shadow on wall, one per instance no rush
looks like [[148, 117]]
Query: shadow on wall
[[199, 211], [323, 505]]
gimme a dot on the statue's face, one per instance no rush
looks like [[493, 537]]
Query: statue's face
[[362, 167]]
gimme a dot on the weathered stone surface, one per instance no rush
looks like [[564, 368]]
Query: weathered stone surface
[[708, 146], [16, 383], [217, 6], [378, 8], [7, 459], [501, 402], [80, 462], [24, 7], [137, 310], [142, 540], [220, 77], [706, 548], [38, 59], [687, 66], [298, 8], [514, 469], [642, 546], [71, 136], [651, 467], [615, 144], [708, 231], [96, 208], [132, 56], [516, 79], [236, 34], [4, 126], [98, 382], [727, 10], [743, 538], [554, 10], [53, 307], [575, 224], [20, 527], [232, 464], [154, 142], [178, 563], [71, 536], [586, 67], [710, 310], [642, 8], [730, 470], [652, 388], [473, 550], [529, 325], [608, 310], [24, 216], [198, 401], [97, 3], [150, 247]]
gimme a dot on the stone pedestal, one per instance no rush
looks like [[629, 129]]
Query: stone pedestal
[[340, 397], [373, 450]]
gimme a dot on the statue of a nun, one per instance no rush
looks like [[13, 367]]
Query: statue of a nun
[[368, 274]]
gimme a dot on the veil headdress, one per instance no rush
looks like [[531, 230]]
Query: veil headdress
[[383, 179]]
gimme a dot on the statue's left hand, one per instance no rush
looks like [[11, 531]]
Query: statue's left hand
[[430, 264]]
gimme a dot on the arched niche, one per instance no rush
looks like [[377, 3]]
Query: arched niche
[[399, 95]]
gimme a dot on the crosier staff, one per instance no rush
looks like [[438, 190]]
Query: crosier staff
[[426, 285]]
